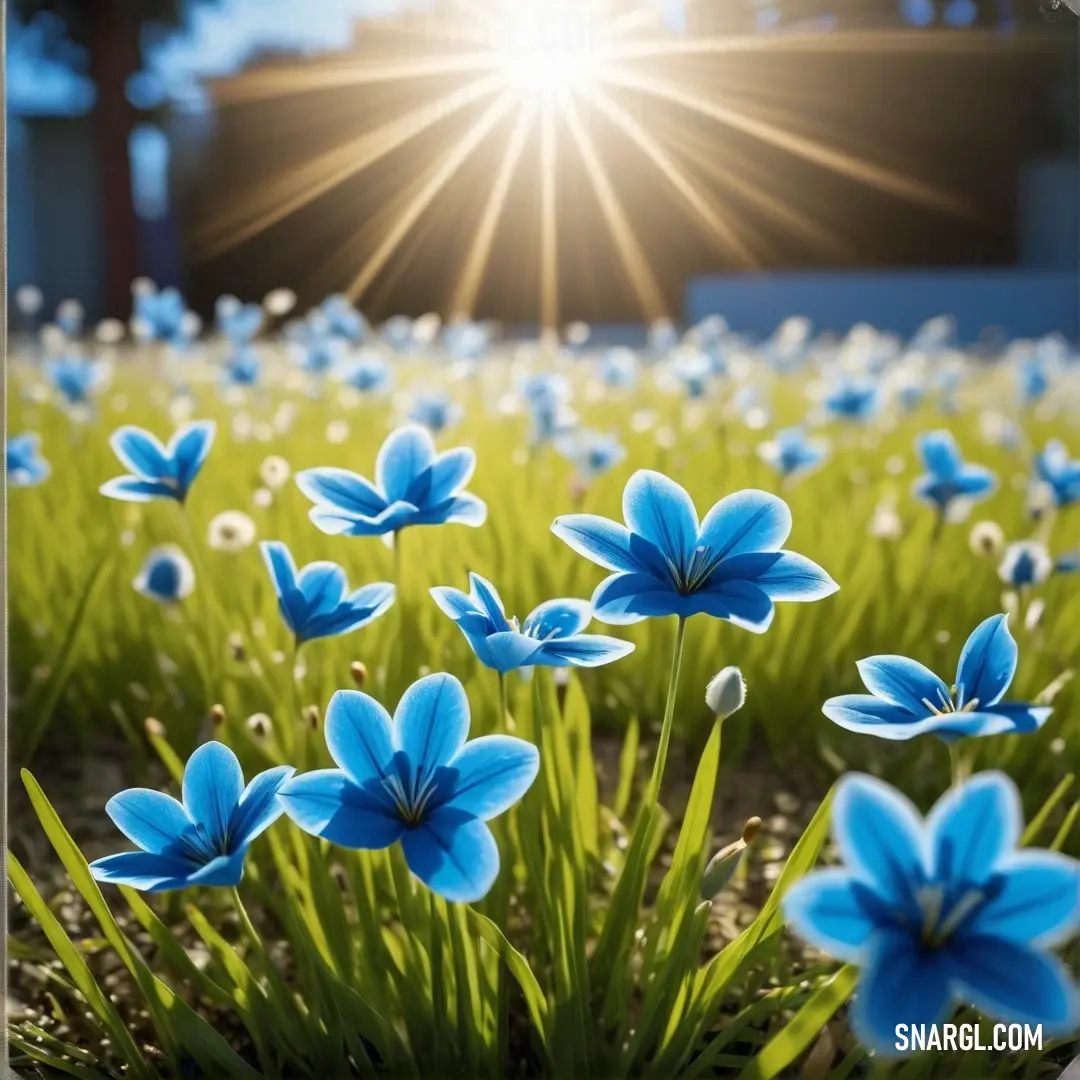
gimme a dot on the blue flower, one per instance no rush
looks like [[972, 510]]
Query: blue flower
[[25, 466], [942, 911], [200, 841], [592, 453], [314, 603], [159, 472], [665, 563], [1059, 472], [242, 367], [414, 486], [74, 379], [1034, 380], [852, 399], [342, 319], [906, 699], [619, 368], [436, 412], [467, 340], [322, 353], [791, 453], [694, 372], [240, 323], [369, 374], [417, 780], [399, 333], [947, 476], [1026, 563], [662, 337], [160, 316], [550, 637], [166, 576]]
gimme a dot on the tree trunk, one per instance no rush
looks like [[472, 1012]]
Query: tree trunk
[[114, 57]]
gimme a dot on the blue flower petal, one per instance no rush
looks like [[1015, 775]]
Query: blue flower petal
[[584, 650], [405, 454], [824, 909], [900, 984], [903, 682], [326, 803], [142, 871], [988, 663], [449, 474], [152, 820], [223, 872], [973, 826], [454, 854], [738, 602], [879, 835], [258, 807], [508, 650], [279, 562], [132, 489], [342, 490], [781, 575], [491, 774], [1015, 984], [431, 723], [604, 542], [456, 604], [561, 618], [323, 585], [623, 599], [867, 714], [461, 510], [940, 454], [976, 482], [213, 784], [359, 736], [747, 521], [661, 511], [488, 600], [1036, 900], [142, 453], [189, 448]]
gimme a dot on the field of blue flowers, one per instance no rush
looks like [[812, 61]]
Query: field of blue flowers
[[356, 613]]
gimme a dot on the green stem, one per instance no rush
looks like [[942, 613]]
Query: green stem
[[297, 724], [653, 793], [958, 767], [245, 920], [202, 587], [505, 719], [438, 993]]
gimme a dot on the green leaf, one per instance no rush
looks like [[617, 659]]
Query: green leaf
[[784, 1047], [628, 759], [1038, 822]]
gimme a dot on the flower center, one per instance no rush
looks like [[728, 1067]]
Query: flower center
[[940, 924], [411, 804], [689, 578], [954, 703]]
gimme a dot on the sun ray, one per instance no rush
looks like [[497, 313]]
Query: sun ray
[[673, 173], [266, 206], [549, 238], [644, 283], [838, 161], [916, 42], [442, 174], [468, 287], [263, 85]]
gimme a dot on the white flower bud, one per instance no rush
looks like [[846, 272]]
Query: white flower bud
[[726, 693], [987, 538]]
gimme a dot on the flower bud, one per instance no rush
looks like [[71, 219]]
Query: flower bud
[[358, 672], [259, 725], [217, 715], [987, 538], [724, 863], [311, 716], [154, 728], [726, 693]]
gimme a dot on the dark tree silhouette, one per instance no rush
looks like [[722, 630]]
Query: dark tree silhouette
[[110, 31]]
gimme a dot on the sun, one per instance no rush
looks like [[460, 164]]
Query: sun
[[546, 48]]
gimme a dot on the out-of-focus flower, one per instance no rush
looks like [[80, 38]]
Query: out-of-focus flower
[[242, 366], [342, 319], [69, 317], [552, 636], [279, 302], [592, 453], [948, 477], [729, 566], [200, 841], [110, 332], [619, 368], [852, 399], [275, 472], [987, 538], [414, 486], [907, 699], [25, 467], [314, 603], [159, 472], [435, 411], [943, 911], [662, 337], [1025, 563], [1034, 380], [231, 531], [74, 379], [166, 576], [1060, 473], [791, 453], [158, 316], [415, 779], [368, 374], [726, 693], [29, 299]]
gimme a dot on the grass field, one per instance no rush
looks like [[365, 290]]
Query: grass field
[[92, 659]]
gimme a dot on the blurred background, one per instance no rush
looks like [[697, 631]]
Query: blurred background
[[847, 160]]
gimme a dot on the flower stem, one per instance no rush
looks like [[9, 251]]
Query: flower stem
[[438, 994], [958, 765], [245, 920], [669, 716], [505, 719]]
